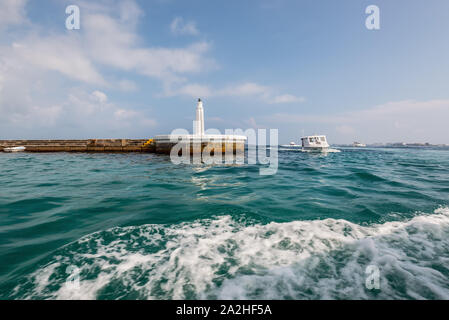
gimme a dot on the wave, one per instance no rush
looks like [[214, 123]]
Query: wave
[[232, 258]]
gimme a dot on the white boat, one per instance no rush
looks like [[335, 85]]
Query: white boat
[[310, 144], [359, 145], [316, 143], [14, 149]]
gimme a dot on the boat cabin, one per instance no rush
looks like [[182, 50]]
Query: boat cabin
[[318, 142]]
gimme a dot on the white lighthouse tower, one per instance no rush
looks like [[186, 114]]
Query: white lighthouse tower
[[199, 122]]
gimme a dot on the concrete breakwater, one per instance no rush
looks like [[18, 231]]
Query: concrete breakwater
[[90, 145], [158, 145]]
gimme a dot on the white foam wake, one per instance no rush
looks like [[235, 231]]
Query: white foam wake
[[227, 259]]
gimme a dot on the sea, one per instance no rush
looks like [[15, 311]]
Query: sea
[[363, 223]]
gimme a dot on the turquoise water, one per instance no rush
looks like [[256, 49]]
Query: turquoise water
[[135, 226]]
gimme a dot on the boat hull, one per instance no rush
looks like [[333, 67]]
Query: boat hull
[[301, 148], [315, 149]]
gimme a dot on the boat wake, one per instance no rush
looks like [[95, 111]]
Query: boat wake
[[232, 258], [300, 149]]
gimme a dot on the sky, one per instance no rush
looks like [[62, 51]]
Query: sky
[[135, 69]]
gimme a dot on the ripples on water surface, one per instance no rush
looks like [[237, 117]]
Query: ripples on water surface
[[139, 227]]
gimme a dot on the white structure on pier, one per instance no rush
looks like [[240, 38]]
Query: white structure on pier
[[199, 122]]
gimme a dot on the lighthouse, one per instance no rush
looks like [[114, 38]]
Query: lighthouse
[[199, 141], [199, 122]]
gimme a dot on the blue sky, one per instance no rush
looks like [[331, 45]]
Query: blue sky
[[135, 68]]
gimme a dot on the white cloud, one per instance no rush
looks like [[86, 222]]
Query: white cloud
[[195, 90], [115, 44], [36, 104], [99, 96], [12, 12], [19, 82], [80, 115], [248, 89], [104, 40], [407, 120], [123, 114], [58, 53], [45, 115], [98, 117], [287, 98], [130, 12], [181, 27]]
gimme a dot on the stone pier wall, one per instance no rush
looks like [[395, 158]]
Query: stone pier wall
[[91, 145]]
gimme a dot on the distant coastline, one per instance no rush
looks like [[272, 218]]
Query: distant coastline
[[398, 145]]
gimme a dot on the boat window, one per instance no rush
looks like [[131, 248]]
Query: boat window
[[323, 139], [310, 139]]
